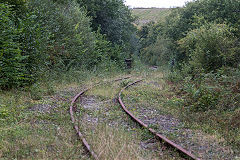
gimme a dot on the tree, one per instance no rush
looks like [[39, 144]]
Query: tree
[[112, 17], [210, 47], [197, 13], [18, 6], [13, 71]]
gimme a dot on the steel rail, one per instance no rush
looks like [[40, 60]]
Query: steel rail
[[161, 137], [71, 108]]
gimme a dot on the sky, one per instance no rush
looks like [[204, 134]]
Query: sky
[[155, 3]]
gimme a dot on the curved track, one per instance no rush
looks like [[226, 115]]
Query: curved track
[[160, 137], [80, 135], [76, 127]]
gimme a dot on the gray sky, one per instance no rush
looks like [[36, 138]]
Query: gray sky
[[155, 3]]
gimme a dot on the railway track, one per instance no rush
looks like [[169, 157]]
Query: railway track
[[186, 154]]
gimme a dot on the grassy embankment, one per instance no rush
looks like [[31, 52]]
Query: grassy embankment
[[146, 15]]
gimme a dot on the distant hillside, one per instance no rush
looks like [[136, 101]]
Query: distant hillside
[[146, 15]]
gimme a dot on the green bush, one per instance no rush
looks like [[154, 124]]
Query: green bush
[[18, 6], [71, 42], [105, 53], [3, 112], [33, 39], [42, 35], [158, 53], [113, 18], [213, 91], [148, 34], [182, 20], [205, 98], [212, 102], [13, 71], [210, 47]]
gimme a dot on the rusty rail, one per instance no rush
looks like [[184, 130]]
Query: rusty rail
[[80, 135], [161, 137]]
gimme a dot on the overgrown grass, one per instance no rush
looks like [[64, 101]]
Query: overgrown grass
[[34, 121], [159, 100], [210, 103], [36, 129], [118, 144], [111, 132]]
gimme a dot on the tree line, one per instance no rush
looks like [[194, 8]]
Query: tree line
[[200, 45], [203, 35], [39, 36]]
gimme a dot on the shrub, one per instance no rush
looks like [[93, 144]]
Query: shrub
[[113, 18], [13, 71], [213, 91], [33, 39], [158, 53], [210, 47], [105, 53], [148, 34], [72, 42], [18, 6], [3, 112], [205, 99]]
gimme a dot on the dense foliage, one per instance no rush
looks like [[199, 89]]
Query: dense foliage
[[210, 47], [112, 17], [200, 42], [114, 20], [12, 67], [191, 17], [39, 36]]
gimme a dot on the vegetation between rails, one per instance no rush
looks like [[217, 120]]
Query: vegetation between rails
[[111, 133], [36, 124]]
